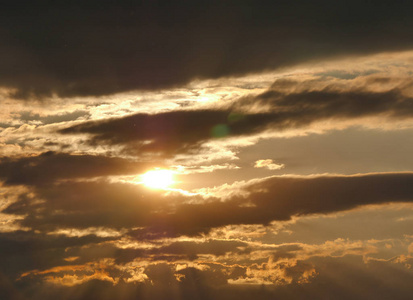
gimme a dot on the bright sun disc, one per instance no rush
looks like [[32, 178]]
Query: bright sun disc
[[158, 179]]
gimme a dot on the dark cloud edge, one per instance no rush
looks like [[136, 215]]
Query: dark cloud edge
[[186, 130], [49, 167], [110, 47], [120, 205]]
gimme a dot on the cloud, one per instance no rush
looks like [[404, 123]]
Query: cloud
[[51, 166], [121, 205], [268, 163], [96, 49], [280, 198], [27, 116], [309, 105], [171, 132], [222, 266], [28, 250], [338, 278], [159, 250], [88, 204], [186, 130], [214, 247]]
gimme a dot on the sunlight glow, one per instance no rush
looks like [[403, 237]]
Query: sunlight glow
[[158, 179]]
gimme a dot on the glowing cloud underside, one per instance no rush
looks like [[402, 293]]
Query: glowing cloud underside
[[158, 179]]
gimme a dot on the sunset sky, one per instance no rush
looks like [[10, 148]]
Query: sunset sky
[[188, 150]]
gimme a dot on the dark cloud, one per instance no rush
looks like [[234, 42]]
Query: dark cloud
[[176, 131], [175, 251], [280, 198], [51, 166], [171, 131], [214, 247], [97, 48], [350, 278], [308, 106], [23, 251], [85, 204], [339, 278], [196, 278], [163, 275]]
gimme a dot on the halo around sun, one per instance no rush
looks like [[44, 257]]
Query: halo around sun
[[158, 179]]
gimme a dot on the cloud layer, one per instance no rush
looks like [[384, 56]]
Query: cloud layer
[[286, 125], [102, 48], [180, 131], [121, 205], [51, 166]]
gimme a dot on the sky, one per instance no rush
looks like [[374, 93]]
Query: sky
[[206, 150]]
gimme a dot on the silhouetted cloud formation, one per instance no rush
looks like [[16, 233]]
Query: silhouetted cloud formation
[[87, 259], [121, 205], [280, 198], [27, 250], [95, 48], [51, 166], [171, 131], [341, 278], [178, 131]]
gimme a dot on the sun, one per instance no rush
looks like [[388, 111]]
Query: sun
[[158, 179]]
